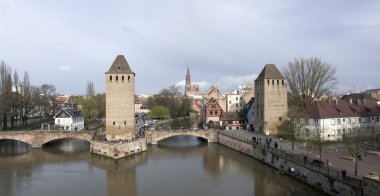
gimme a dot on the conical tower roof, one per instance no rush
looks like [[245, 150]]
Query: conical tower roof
[[120, 66], [270, 71]]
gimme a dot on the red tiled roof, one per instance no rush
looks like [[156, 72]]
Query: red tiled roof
[[341, 108]]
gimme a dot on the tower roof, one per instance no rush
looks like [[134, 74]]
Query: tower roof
[[270, 71], [120, 65]]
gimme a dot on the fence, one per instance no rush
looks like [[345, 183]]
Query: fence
[[299, 158]]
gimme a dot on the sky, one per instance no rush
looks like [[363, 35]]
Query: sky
[[226, 43]]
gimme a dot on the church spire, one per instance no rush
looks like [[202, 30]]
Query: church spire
[[188, 79]]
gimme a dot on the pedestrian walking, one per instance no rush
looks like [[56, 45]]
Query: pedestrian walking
[[305, 159]]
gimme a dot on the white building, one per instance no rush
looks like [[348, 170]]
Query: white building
[[69, 119], [234, 102], [328, 120]]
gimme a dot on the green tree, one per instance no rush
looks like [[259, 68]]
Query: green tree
[[89, 108], [308, 79], [170, 98], [159, 112]]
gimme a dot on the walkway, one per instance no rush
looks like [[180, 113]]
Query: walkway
[[369, 164]]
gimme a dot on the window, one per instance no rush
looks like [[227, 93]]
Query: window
[[339, 132], [236, 105], [333, 132], [377, 118], [268, 82], [58, 121], [339, 121], [332, 121], [110, 78], [229, 101], [316, 121], [117, 78], [349, 121], [122, 78], [129, 77], [278, 82], [113, 123], [353, 120], [236, 98], [282, 82], [241, 98], [125, 122], [272, 81]]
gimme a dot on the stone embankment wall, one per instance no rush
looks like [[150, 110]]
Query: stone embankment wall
[[118, 150], [297, 170]]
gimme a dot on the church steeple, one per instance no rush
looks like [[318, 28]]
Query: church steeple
[[188, 79]]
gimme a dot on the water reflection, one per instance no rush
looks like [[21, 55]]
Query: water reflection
[[181, 165]]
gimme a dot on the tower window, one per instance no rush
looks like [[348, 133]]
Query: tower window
[[110, 78], [122, 78], [125, 122], [272, 81], [117, 78], [118, 67], [282, 82], [129, 77], [278, 82], [113, 123], [268, 82]]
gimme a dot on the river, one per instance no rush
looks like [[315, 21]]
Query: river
[[182, 165]]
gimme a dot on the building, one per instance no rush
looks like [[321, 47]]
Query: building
[[69, 119], [120, 97], [249, 111], [212, 111], [271, 100], [234, 102], [328, 120], [190, 90], [234, 121], [214, 93]]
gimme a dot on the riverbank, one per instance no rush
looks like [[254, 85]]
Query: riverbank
[[326, 179]]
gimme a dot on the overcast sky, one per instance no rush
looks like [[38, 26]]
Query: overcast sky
[[225, 42]]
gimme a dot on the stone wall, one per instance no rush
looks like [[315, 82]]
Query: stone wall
[[118, 150], [294, 169]]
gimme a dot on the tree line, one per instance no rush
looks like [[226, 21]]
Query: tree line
[[19, 99], [168, 103]]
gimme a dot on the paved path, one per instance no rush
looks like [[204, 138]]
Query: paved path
[[369, 164]]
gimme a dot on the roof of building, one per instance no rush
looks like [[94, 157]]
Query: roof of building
[[270, 71], [341, 109], [71, 112], [120, 65], [372, 91]]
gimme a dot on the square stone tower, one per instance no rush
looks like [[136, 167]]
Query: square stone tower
[[271, 100], [120, 96]]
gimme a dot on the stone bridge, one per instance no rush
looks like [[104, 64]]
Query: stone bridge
[[153, 136], [38, 138]]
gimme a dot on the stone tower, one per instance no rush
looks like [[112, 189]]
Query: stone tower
[[271, 100], [120, 107]]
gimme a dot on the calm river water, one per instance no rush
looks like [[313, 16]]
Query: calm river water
[[182, 165]]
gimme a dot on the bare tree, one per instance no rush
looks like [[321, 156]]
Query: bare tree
[[308, 79], [27, 99], [354, 140], [48, 99], [16, 96], [90, 91], [5, 93]]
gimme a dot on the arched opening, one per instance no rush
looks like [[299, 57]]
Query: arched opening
[[182, 141], [67, 145], [10, 147]]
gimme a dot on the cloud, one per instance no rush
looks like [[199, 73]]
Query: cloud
[[64, 68], [228, 83], [203, 85]]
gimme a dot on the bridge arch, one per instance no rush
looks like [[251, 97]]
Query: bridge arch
[[16, 139], [53, 138], [178, 134]]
